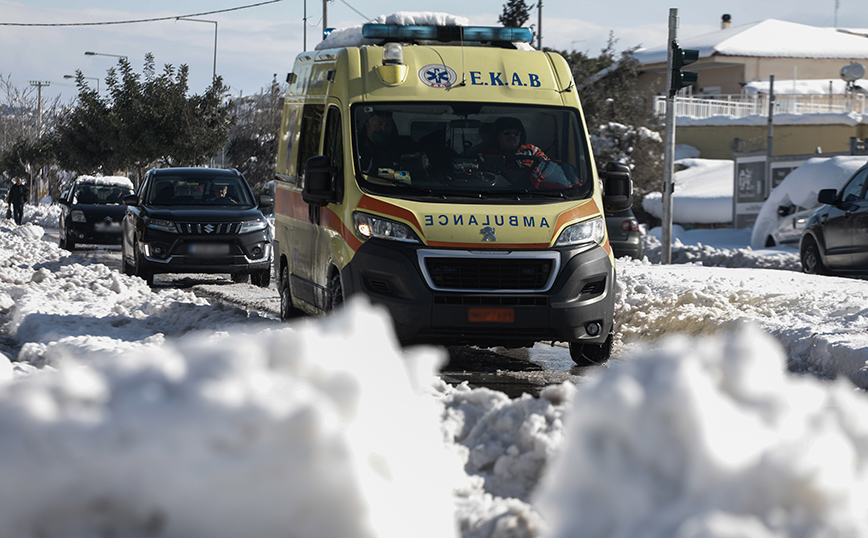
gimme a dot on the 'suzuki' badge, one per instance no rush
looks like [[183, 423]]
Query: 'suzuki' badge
[[437, 76]]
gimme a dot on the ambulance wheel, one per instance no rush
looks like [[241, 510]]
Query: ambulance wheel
[[239, 278], [588, 354], [287, 311], [335, 293]]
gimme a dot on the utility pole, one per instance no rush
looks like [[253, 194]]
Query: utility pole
[[39, 84], [539, 26], [769, 132], [325, 16], [676, 59]]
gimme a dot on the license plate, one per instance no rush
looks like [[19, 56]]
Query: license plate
[[209, 249], [107, 226], [491, 315]]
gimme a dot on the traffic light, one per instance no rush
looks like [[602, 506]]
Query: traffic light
[[680, 58]]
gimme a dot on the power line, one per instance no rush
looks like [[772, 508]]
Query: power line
[[43, 24]]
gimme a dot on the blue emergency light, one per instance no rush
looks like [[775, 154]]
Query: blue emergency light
[[446, 33]]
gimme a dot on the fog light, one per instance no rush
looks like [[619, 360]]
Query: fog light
[[257, 252], [158, 251], [593, 328], [80, 235]]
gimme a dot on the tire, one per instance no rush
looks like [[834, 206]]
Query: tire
[[240, 278], [128, 268], [140, 271], [812, 263], [287, 311], [770, 242], [335, 296], [261, 278], [588, 354]]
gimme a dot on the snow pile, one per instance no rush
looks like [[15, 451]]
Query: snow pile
[[710, 256], [801, 187], [229, 435], [119, 181], [352, 36], [702, 195], [643, 456]]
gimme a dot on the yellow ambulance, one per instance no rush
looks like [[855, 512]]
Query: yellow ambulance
[[446, 173]]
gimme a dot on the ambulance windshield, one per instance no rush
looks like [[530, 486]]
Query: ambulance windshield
[[471, 149]]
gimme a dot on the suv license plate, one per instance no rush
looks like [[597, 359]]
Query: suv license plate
[[209, 249]]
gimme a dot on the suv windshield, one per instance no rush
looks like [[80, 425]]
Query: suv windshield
[[198, 190], [99, 194], [471, 149]]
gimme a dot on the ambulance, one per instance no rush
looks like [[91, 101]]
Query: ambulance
[[445, 172]]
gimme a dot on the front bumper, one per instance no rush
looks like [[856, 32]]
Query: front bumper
[[164, 252], [580, 295], [94, 233]]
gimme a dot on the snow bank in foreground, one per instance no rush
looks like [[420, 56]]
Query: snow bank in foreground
[[212, 435], [709, 438]]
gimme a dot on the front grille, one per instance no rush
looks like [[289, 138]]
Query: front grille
[[209, 228], [490, 300], [474, 273]]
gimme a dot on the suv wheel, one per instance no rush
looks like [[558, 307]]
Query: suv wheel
[[261, 278], [811, 261], [588, 354], [140, 271]]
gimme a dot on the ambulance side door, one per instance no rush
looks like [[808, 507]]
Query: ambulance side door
[[326, 219]]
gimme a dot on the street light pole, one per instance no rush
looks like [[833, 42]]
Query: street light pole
[[215, 38], [89, 78], [90, 53]]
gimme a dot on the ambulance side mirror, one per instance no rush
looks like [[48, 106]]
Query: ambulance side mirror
[[318, 182], [617, 187]]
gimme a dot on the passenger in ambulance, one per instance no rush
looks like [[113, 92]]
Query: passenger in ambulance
[[381, 147], [519, 162]]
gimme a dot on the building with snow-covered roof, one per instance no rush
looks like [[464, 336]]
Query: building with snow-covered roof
[[734, 56]]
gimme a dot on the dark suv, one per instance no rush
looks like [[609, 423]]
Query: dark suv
[[197, 220], [92, 209], [835, 238]]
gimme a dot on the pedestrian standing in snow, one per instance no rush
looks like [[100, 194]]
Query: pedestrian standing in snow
[[17, 197]]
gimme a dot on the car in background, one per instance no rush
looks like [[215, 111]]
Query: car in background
[[197, 220], [792, 220], [92, 209], [625, 235], [835, 241]]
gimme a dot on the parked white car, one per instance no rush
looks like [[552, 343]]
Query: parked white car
[[790, 225]]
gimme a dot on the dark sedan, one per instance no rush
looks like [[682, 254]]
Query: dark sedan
[[197, 220], [91, 211], [625, 236], [835, 238]]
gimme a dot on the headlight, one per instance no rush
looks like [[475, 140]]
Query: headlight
[[162, 225], [77, 216], [591, 231], [368, 226], [253, 225]]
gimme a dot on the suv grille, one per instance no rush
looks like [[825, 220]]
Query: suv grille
[[520, 274], [209, 228]]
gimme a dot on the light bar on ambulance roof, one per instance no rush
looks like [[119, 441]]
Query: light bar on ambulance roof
[[446, 33]]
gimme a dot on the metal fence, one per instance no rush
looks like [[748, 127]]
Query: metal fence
[[740, 106]]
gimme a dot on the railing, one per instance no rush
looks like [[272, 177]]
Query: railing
[[740, 106]]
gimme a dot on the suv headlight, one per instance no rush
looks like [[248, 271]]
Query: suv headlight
[[368, 226], [591, 231], [253, 225], [162, 225], [77, 216]]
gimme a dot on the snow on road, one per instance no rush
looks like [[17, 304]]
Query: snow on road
[[146, 412]]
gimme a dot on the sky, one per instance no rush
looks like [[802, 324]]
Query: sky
[[255, 44], [733, 405]]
